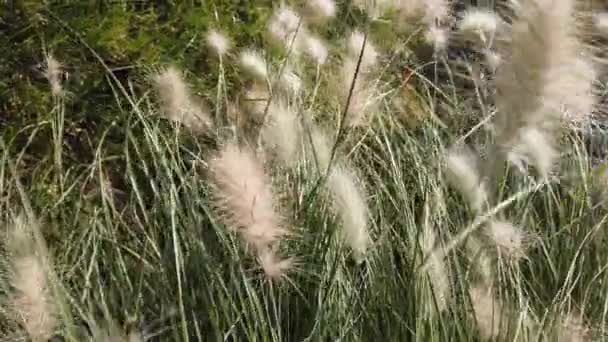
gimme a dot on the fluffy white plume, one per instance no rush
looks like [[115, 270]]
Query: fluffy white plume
[[283, 133], [509, 239], [363, 100], [581, 101], [537, 80], [480, 23], [243, 196], [52, 73], [488, 312], [288, 19], [316, 49], [284, 25], [370, 55], [290, 82], [176, 100], [114, 334], [255, 100], [254, 63], [492, 59], [438, 37], [428, 11], [351, 208], [32, 303], [572, 328], [462, 173], [273, 266], [323, 8], [437, 271], [319, 148], [218, 42], [533, 147], [437, 11]]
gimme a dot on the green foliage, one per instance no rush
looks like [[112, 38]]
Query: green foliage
[[87, 37], [125, 205]]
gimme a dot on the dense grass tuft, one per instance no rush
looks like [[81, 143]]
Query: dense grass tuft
[[315, 171]]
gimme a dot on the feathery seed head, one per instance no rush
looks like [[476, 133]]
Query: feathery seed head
[[260, 235], [20, 240], [355, 44], [316, 49], [349, 72], [509, 239], [290, 82], [284, 25], [573, 329], [274, 267], [487, 310], [429, 12], [351, 208], [437, 11], [480, 23], [438, 37], [218, 42], [234, 115], [254, 63], [287, 18], [319, 148], [580, 101], [255, 100], [135, 337], [536, 79], [540, 149], [283, 133], [412, 9], [113, 333], [323, 8], [484, 264], [176, 101], [362, 103], [363, 99], [32, 302], [437, 271], [533, 147], [492, 59], [52, 73], [243, 195], [462, 173]]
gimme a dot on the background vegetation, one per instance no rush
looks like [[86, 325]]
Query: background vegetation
[[121, 197]]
